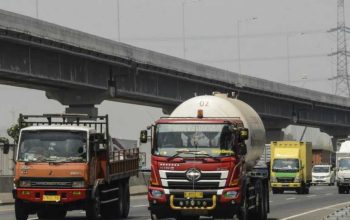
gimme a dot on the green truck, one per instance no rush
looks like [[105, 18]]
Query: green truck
[[291, 164]]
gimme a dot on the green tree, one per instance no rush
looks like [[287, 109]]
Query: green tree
[[13, 132]]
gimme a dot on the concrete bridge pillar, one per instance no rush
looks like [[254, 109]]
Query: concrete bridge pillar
[[337, 134], [336, 140], [79, 101], [273, 128], [274, 135]]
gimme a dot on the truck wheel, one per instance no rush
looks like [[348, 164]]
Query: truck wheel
[[93, 207], [126, 198], [340, 190], [243, 213], [275, 191], [306, 190], [154, 216], [260, 210], [120, 203], [20, 210]]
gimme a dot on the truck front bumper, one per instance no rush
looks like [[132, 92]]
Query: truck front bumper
[[173, 202], [50, 196], [286, 185]]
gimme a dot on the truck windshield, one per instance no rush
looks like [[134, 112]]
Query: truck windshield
[[52, 146], [285, 165], [190, 140], [320, 169], [344, 164]]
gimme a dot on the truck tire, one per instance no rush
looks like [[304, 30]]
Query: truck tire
[[275, 191], [120, 203], [243, 212], [154, 216], [306, 190], [126, 198], [260, 212], [21, 212], [93, 207]]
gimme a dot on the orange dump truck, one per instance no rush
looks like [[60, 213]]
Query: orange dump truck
[[68, 162]]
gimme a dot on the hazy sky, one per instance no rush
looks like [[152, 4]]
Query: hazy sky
[[211, 38]]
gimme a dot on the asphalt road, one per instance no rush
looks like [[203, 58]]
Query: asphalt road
[[321, 201]]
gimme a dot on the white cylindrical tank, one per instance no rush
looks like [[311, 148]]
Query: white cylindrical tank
[[221, 106]]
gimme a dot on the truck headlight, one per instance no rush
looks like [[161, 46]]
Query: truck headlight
[[25, 183], [296, 179], [273, 179], [156, 193], [78, 184], [230, 194]]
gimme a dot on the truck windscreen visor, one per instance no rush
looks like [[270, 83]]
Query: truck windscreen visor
[[53, 146], [210, 139]]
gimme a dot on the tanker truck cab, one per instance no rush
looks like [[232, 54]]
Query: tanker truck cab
[[197, 165]]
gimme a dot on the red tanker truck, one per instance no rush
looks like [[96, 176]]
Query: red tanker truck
[[204, 161]]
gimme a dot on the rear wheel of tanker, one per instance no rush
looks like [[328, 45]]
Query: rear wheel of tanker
[[20, 210], [126, 198], [93, 207], [260, 204]]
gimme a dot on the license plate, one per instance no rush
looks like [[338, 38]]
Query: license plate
[[50, 198], [286, 185], [193, 195]]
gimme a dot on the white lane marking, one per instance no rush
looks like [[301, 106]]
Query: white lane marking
[[311, 196], [315, 210], [6, 210], [290, 198], [138, 206], [328, 194]]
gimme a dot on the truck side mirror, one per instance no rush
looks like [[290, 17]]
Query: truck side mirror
[[143, 136], [242, 149], [244, 134], [6, 148]]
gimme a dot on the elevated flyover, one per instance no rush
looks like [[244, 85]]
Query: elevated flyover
[[81, 70]]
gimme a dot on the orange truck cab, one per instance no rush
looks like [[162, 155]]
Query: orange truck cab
[[68, 162]]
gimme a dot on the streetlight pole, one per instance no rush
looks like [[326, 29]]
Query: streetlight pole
[[118, 20], [288, 54], [288, 62], [183, 30], [239, 40], [37, 8]]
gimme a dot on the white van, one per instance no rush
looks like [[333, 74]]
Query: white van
[[323, 174]]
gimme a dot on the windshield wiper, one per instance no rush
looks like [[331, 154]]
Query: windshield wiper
[[206, 154], [193, 152]]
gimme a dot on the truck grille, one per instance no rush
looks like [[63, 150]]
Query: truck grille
[[285, 179], [205, 176], [207, 179], [190, 185], [51, 182]]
